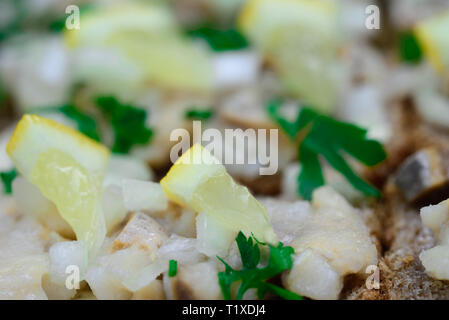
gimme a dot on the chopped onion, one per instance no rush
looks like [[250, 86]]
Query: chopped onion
[[235, 69], [30, 201], [127, 167], [143, 195], [213, 237], [65, 254], [113, 207]]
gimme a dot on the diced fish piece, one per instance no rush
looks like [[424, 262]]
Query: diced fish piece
[[143, 231], [423, 178], [312, 276], [193, 282]]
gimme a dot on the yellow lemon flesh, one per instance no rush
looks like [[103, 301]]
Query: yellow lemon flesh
[[97, 26], [148, 36], [68, 169], [198, 181], [434, 39], [300, 39]]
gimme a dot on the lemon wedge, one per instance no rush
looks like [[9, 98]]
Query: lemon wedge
[[68, 168], [198, 181], [97, 26], [433, 36], [299, 38], [148, 36], [175, 63]]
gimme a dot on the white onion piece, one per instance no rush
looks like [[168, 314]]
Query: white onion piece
[[30, 201], [234, 69], [364, 105], [213, 238], [35, 68], [146, 275], [113, 208], [143, 195], [106, 70], [126, 167], [433, 106], [65, 254], [5, 162]]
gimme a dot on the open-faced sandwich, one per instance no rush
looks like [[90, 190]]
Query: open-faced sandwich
[[217, 149]]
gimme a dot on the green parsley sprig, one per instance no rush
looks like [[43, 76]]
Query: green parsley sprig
[[7, 178], [15, 26], [409, 48], [86, 123], [199, 114], [220, 40], [128, 123], [322, 135], [58, 24], [251, 276], [172, 268]]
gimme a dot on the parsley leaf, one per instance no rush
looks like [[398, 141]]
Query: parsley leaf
[[322, 135], [58, 25], [15, 25], [199, 114], [128, 123], [172, 268], [251, 276], [85, 123], [7, 178], [220, 40], [3, 94], [409, 48]]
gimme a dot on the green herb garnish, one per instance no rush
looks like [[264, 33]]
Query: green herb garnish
[[172, 268], [199, 114], [58, 25], [128, 123], [322, 135], [7, 178], [251, 276], [409, 48], [3, 94], [15, 26], [220, 40], [85, 123]]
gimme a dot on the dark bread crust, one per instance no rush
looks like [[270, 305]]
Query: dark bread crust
[[402, 273], [410, 134], [402, 234]]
